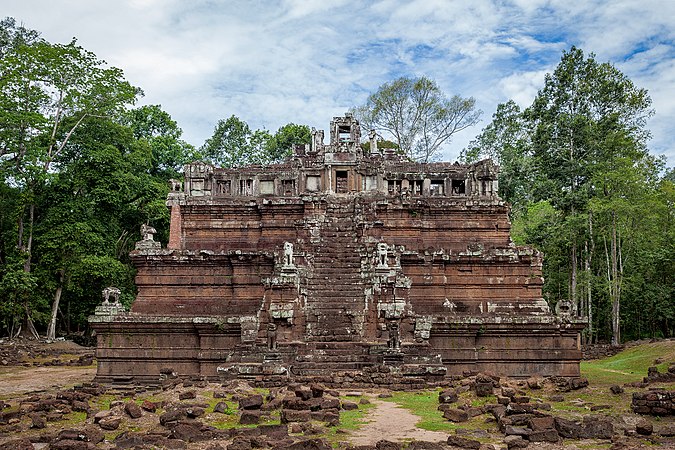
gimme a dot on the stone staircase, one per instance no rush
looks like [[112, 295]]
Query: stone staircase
[[330, 357], [335, 289]]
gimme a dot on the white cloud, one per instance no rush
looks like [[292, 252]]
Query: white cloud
[[304, 61]]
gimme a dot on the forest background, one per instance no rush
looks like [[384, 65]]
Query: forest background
[[83, 169]]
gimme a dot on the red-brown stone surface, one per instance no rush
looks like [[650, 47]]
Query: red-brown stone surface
[[335, 261]]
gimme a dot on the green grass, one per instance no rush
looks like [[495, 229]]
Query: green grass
[[355, 418], [74, 418], [349, 421], [425, 405], [630, 365]]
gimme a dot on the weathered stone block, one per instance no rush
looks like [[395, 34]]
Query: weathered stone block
[[461, 442], [456, 415]]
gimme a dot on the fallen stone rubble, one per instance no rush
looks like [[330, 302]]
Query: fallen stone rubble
[[306, 412]]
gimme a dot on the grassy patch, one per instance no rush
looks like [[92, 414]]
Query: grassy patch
[[355, 418], [350, 420], [226, 421], [74, 418], [424, 404], [630, 365], [103, 401]]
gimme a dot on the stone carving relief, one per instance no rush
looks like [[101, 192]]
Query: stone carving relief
[[288, 255], [148, 232], [382, 258]]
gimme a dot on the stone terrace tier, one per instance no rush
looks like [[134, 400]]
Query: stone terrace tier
[[335, 260]]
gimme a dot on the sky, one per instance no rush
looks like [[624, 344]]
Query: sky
[[271, 62]]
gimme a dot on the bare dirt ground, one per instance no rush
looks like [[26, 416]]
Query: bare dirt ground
[[391, 422], [16, 381]]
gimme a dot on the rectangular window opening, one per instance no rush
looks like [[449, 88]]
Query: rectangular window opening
[[344, 134], [246, 187], [341, 177], [288, 187], [458, 187], [393, 186], [436, 187]]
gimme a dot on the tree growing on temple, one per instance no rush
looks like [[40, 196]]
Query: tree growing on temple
[[418, 115]]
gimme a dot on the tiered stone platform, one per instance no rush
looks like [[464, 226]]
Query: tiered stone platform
[[337, 261]]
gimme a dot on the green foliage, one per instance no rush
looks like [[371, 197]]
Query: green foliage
[[281, 145], [81, 172], [586, 191], [506, 141], [418, 115], [234, 144], [151, 125]]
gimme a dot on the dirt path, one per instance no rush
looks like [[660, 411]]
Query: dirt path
[[393, 423], [21, 380]]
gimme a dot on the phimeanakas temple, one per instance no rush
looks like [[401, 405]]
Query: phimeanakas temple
[[336, 264]]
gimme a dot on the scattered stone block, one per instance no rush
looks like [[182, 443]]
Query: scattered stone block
[[133, 410], [543, 436], [514, 441], [447, 396], [251, 402], [37, 421], [304, 393], [194, 411], [249, 417], [149, 406], [424, 445], [535, 382], [172, 416], [461, 442], [541, 423], [483, 389], [616, 389], [187, 395], [220, 407], [349, 406], [110, 423], [455, 415], [644, 428], [388, 445], [291, 415]]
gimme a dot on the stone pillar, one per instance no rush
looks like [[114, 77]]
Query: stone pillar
[[175, 230]]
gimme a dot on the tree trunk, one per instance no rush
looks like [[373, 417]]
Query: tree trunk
[[28, 321], [29, 244], [51, 329], [615, 289], [573, 277], [589, 284]]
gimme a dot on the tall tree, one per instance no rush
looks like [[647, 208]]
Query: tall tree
[[579, 153], [506, 140], [234, 144], [47, 91], [418, 115], [282, 143], [587, 117], [170, 153]]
